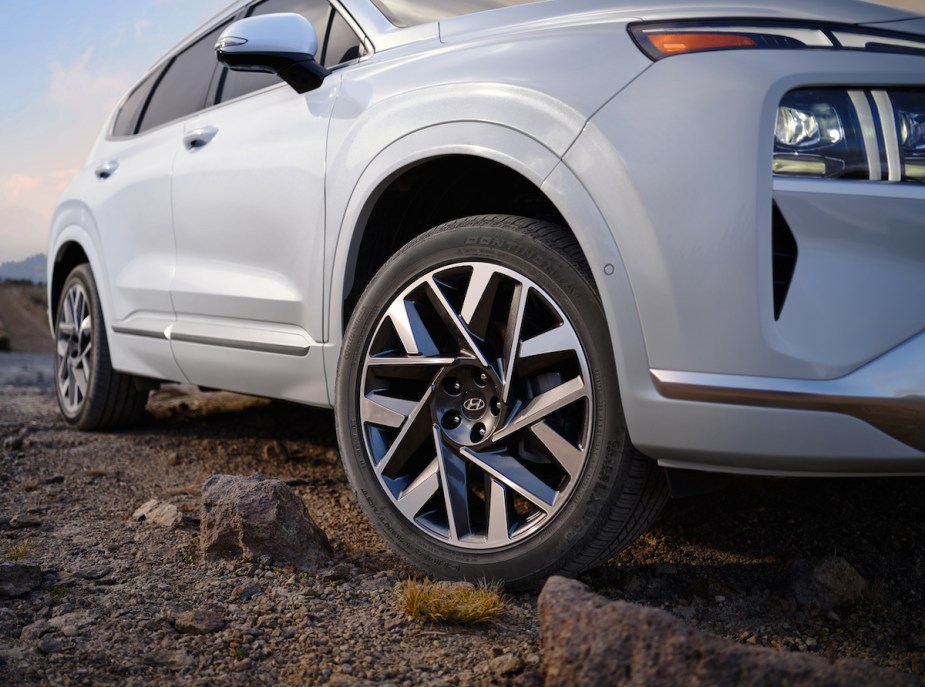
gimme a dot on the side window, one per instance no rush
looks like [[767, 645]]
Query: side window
[[184, 87], [342, 44], [236, 84], [127, 120]]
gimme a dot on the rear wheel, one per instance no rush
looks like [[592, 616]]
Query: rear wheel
[[478, 409], [90, 393]]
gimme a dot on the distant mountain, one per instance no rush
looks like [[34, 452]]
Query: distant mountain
[[31, 269]]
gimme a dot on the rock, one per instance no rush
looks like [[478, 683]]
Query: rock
[[247, 591], [71, 624], [159, 513], [275, 451], [24, 520], [826, 583], [35, 630], [589, 640], [93, 572], [17, 579], [341, 571], [9, 623], [506, 664], [49, 645], [198, 622], [172, 660], [259, 516], [55, 479]]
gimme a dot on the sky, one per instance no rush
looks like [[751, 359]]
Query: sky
[[66, 63]]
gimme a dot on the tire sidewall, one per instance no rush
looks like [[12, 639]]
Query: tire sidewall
[[559, 542]]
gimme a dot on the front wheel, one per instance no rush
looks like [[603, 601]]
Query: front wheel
[[478, 409], [91, 395]]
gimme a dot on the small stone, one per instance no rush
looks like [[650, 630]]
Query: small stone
[[93, 573], [57, 479], [159, 513], [35, 630], [506, 664], [341, 571], [172, 660], [199, 622], [825, 583], [17, 579], [275, 451], [49, 645], [246, 591], [24, 520]]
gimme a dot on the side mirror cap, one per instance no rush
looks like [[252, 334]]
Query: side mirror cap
[[284, 44]]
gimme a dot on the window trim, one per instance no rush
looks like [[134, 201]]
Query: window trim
[[217, 79]]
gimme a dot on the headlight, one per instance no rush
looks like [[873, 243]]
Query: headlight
[[664, 39], [910, 121], [818, 134], [851, 134]]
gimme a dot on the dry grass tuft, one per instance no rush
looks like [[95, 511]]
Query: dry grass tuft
[[18, 551], [453, 603]]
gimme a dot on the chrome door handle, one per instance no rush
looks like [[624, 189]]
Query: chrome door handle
[[103, 172], [200, 137]]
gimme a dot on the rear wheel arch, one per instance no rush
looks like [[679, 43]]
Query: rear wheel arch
[[68, 256]]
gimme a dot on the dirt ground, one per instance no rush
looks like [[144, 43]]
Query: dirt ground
[[112, 588]]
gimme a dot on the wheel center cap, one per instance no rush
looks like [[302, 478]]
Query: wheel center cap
[[474, 406]]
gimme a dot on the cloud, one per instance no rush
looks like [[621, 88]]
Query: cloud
[[140, 26], [77, 83], [26, 205]]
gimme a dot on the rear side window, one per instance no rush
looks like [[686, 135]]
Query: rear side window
[[127, 120], [184, 87]]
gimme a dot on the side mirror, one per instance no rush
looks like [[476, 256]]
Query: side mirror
[[283, 44]]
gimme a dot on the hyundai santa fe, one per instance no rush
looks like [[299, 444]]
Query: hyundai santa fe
[[545, 260]]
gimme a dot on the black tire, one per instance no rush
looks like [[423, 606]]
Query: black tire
[[91, 395], [588, 493]]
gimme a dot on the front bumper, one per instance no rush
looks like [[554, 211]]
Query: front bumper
[[680, 166]]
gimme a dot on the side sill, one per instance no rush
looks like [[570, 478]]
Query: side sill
[[290, 341]]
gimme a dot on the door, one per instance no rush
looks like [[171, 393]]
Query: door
[[248, 203]]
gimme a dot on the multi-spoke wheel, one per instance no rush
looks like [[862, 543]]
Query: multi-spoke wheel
[[90, 393], [478, 410]]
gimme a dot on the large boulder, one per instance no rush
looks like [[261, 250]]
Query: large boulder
[[590, 640], [259, 517]]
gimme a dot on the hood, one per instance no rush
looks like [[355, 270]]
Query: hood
[[582, 12]]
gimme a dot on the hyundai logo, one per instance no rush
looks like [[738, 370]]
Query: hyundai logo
[[474, 405]]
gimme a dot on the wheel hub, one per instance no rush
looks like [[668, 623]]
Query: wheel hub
[[467, 403]]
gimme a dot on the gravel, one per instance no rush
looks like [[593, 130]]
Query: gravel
[[125, 601]]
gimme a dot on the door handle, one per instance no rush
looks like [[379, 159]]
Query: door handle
[[199, 138], [103, 172]]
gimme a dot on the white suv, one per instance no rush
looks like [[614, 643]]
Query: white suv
[[543, 258]]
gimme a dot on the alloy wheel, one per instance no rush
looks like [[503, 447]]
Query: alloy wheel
[[74, 336], [475, 405]]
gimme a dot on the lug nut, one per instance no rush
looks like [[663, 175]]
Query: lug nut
[[451, 420]]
